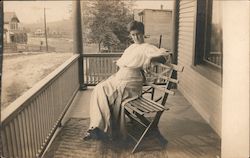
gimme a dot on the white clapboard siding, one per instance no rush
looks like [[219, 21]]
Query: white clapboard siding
[[202, 93]]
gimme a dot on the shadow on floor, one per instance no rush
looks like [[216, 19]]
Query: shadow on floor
[[69, 144]]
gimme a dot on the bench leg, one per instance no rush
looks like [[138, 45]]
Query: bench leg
[[144, 133]]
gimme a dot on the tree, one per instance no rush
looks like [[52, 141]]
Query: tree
[[105, 23]]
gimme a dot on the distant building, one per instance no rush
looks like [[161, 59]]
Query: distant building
[[39, 32], [157, 22], [13, 30]]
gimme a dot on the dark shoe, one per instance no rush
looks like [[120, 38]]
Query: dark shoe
[[91, 134]]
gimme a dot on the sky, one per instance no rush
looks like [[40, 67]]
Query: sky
[[32, 11]]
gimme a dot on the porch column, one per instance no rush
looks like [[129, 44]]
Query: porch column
[[175, 26], [235, 103], [77, 38]]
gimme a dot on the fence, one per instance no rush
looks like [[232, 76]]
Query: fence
[[29, 122], [99, 66]]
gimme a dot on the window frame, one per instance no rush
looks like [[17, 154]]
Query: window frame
[[208, 69]]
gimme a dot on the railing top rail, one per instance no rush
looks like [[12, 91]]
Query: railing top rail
[[102, 55], [16, 106]]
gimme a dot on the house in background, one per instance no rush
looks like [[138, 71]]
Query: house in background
[[39, 32], [14, 37], [13, 29], [156, 17], [10, 24]]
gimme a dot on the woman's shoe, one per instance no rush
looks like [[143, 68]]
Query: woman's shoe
[[91, 134]]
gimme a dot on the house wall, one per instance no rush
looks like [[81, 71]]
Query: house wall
[[158, 22], [203, 94]]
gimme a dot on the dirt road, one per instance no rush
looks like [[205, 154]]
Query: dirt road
[[21, 72]]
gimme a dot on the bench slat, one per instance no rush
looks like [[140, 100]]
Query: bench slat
[[154, 104], [128, 105], [139, 101], [141, 108]]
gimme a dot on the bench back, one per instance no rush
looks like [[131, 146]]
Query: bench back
[[163, 80]]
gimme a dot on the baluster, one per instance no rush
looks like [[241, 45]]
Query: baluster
[[56, 100], [99, 68], [5, 142], [34, 129], [51, 106], [13, 138], [91, 69], [31, 129], [103, 68], [58, 105], [36, 125], [60, 97], [43, 117], [95, 67], [24, 134], [51, 102], [9, 141], [107, 67], [111, 65], [96, 70], [86, 71], [40, 122], [68, 86], [47, 113], [21, 136], [28, 133], [18, 136]]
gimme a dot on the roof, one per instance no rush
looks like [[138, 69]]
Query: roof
[[160, 10], [8, 16]]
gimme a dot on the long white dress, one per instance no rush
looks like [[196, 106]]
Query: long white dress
[[109, 96]]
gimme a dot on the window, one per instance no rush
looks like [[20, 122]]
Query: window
[[208, 43]]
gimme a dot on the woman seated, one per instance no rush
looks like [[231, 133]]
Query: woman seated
[[107, 116]]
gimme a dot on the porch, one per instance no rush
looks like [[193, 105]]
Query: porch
[[188, 135], [50, 119], [55, 109]]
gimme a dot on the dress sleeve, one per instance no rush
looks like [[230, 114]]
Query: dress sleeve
[[153, 51]]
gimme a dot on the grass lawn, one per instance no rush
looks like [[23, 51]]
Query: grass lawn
[[22, 71]]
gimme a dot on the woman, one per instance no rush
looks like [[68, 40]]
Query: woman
[[108, 97]]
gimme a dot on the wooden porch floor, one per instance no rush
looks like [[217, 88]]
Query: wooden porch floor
[[188, 135]]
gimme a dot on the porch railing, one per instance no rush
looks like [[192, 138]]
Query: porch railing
[[29, 122], [99, 66]]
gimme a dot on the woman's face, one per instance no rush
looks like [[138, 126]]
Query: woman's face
[[137, 36]]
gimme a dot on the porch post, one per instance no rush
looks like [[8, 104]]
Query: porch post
[[77, 37], [175, 35], [175, 26]]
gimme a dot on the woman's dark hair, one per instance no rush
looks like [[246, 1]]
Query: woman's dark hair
[[136, 25]]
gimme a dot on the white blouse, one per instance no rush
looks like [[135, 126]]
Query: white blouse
[[136, 55]]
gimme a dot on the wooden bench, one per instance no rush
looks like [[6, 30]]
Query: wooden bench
[[146, 112]]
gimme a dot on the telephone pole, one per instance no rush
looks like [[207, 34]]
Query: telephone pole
[[45, 31]]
